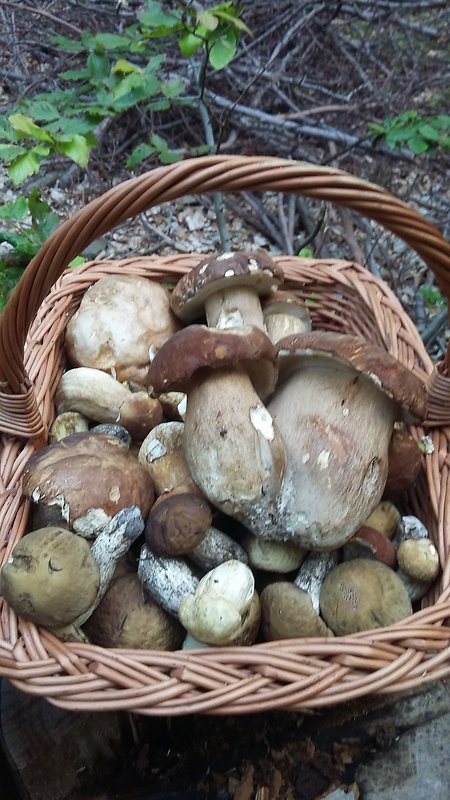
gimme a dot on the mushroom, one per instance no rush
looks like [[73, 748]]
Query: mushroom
[[101, 398], [215, 548], [167, 580], [227, 288], [313, 572], [285, 313], [272, 556], [127, 617], [369, 543], [234, 452], [65, 424], [177, 523], [119, 319], [404, 460], [385, 518], [362, 594], [335, 407], [217, 611], [287, 613], [83, 481], [419, 559], [51, 577], [162, 455]]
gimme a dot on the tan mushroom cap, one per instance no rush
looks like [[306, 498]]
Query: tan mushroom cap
[[216, 273], [389, 374], [287, 613], [362, 594], [198, 348], [419, 559]]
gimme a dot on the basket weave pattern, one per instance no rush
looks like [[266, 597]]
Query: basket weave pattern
[[341, 296]]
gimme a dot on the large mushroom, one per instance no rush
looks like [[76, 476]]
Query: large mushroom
[[233, 450], [82, 481], [120, 318], [226, 288], [335, 407]]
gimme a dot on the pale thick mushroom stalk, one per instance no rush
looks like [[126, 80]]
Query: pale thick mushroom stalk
[[227, 289], [112, 542], [120, 318], [234, 452], [167, 580], [335, 406]]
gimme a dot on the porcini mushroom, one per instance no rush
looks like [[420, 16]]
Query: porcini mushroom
[[227, 288], [335, 407], [285, 313], [120, 318], [287, 613], [404, 460], [166, 579], [83, 481], [234, 452], [51, 577], [177, 523], [162, 455], [362, 594]]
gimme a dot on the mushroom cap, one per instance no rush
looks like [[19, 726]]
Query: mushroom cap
[[198, 348], [404, 460], [162, 455], [127, 617], [418, 558], [271, 555], [119, 319], [177, 523], [397, 381], [219, 272], [287, 613], [51, 577], [367, 542], [362, 594], [83, 480]]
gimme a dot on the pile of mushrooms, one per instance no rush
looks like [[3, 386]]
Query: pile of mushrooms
[[219, 472]]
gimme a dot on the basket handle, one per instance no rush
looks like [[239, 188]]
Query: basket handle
[[19, 413]]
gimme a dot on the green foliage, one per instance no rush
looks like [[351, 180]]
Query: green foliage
[[421, 134], [432, 296], [113, 73]]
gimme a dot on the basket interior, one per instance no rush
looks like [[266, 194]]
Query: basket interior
[[341, 296]]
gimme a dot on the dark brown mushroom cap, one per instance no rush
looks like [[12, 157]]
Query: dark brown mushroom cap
[[284, 302], [177, 523], [197, 348], [397, 381], [216, 273]]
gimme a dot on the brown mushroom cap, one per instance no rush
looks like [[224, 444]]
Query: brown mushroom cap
[[392, 378], [362, 594], [216, 273], [404, 460], [287, 613], [51, 577], [126, 617], [198, 348], [84, 480], [177, 523]]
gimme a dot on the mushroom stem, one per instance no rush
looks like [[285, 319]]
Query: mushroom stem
[[113, 541], [233, 307], [167, 580]]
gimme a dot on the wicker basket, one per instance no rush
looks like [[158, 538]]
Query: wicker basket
[[342, 296]]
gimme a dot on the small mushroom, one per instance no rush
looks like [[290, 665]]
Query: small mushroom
[[287, 613], [385, 518], [120, 318], [65, 424], [177, 523], [285, 313], [101, 398], [218, 610], [419, 559], [127, 617], [234, 452], [272, 556], [167, 580], [227, 288], [312, 573], [51, 577], [162, 455], [335, 407], [215, 548], [83, 481], [362, 594], [404, 460], [369, 543]]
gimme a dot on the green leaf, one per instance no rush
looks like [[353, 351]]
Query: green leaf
[[428, 132], [17, 209], [110, 41], [233, 20], [155, 18], [418, 144], [77, 262], [223, 50], [139, 154], [124, 67], [172, 88], [42, 110], [44, 221], [22, 167], [67, 44], [75, 147], [8, 152], [27, 127], [74, 75], [189, 43], [209, 20], [98, 67]]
